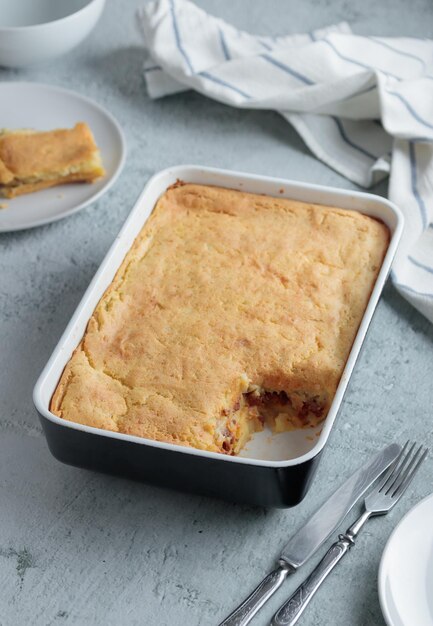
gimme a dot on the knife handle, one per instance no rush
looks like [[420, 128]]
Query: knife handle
[[261, 594], [289, 613]]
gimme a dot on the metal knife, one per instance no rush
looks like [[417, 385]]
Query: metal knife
[[311, 535]]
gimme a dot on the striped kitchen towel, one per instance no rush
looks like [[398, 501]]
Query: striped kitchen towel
[[363, 105]]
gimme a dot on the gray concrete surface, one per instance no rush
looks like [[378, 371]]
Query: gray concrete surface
[[79, 548]]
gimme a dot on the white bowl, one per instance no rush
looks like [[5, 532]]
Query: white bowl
[[32, 31]]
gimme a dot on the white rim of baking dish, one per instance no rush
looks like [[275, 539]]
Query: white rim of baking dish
[[372, 205]]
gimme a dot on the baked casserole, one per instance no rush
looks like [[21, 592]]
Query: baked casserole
[[231, 310]]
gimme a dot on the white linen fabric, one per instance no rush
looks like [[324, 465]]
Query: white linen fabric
[[363, 105]]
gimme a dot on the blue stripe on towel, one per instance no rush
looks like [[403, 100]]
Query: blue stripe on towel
[[414, 183], [344, 136], [427, 268], [345, 58], [308, 81], [359, 63], [401, 52], [287, 69], [222, 82], [410, 108], [360, 93], [177, 37], [224, 46], [266, 46]]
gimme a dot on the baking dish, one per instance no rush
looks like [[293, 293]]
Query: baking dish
[[272, 470]]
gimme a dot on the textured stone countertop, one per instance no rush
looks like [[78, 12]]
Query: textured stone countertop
[[80, 548]]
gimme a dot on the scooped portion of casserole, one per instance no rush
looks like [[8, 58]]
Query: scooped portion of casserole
[[230, 310]]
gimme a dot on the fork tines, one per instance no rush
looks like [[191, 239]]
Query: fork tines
[[403, 469]]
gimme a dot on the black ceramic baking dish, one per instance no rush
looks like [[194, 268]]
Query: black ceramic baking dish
[[272, 470]]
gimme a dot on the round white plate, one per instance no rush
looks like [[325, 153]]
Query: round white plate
[[406, 570], [43, 107]]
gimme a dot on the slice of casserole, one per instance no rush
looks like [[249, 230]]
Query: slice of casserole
[[30, 160], [229, 311]]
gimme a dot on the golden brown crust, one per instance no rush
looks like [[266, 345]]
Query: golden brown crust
[[30, 160], [223, 292], [13, 192]]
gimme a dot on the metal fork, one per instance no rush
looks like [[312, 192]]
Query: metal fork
[[379, 502]]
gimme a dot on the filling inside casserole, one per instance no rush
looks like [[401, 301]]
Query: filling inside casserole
[[280, 410]]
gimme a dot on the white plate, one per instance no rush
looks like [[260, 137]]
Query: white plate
[[43, 107], [406, 570]]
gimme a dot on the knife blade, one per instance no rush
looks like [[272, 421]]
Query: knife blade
[[307, 539], [304, 543]]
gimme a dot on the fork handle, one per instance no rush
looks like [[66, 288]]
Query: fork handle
[[289, 613], [261, 594]]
